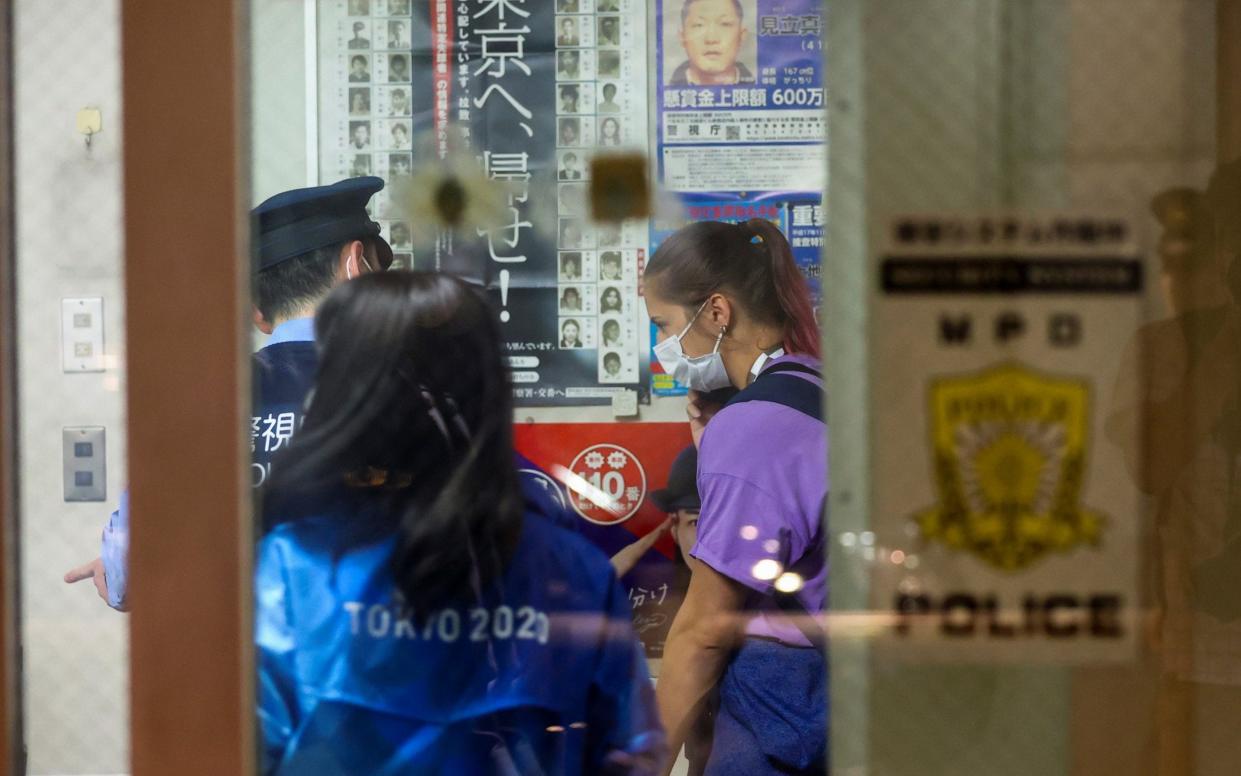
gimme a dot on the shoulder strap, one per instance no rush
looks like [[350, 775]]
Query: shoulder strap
[[777, 386]]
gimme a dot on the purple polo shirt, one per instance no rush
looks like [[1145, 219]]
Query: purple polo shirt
[[762, 467]]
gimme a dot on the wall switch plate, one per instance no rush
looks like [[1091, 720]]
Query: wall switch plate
[[81, 326], [83, 455]]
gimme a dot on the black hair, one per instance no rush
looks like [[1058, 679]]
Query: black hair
[[609, 86], [752, 261], [613, 358], [685, 10], [297, 283], [411, 416]]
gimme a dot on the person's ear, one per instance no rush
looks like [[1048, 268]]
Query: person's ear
[[352, 261], [260, 321], [720, 311]]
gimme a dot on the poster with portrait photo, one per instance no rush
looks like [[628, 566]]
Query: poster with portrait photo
[[618, 332], [611, 98], [617, 366], [360, 165], [577, 333], [360, 138], [393, 101], [359, 101], [523, 121], [358, 67], [399, 236], [393, 135], [609, 32], [616, 298], [402, 261], [571, 199], [574, 31], [397, 165], [576, 299], [611, 6], [616, 266], [398, 35], [571, 164], [609, 235], [575, 98], [393, 68], [358, 7], [576, 234], [394, 7], [576, 266], [575, 65], [740, 102], [357, 33], [714, 46], [611, 132]]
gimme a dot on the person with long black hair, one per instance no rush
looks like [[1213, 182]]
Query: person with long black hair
[[732, 311], [414, 614]]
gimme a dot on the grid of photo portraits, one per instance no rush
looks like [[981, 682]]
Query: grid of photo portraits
[[375, 89], [597, 263]]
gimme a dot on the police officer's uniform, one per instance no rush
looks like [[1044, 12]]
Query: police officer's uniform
[[285, 226]]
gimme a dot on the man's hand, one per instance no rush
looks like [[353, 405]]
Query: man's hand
[[94, 572], [624, 561]]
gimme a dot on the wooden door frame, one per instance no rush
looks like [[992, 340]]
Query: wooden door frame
[[184, 74]]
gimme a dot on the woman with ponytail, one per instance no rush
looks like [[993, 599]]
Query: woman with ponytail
[[414, 613], [732, 311]]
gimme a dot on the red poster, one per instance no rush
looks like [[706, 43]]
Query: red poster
[[605, 472]]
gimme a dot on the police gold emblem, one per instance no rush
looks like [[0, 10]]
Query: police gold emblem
[[1009, 456]]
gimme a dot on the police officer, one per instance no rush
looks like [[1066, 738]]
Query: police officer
[[416, 615], [306, 242]]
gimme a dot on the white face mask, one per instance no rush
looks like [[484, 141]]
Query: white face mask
[[700, 373]]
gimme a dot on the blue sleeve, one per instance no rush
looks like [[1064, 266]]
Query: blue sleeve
[[114, 551], [273, 633], [626, 736]]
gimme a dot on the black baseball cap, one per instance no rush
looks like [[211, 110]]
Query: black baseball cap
[[682, 489], [296, 222]]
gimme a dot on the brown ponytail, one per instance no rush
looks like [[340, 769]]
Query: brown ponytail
[[753, 261], [791, 291]]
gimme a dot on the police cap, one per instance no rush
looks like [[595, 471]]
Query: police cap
[[296, 222], [682, 490]]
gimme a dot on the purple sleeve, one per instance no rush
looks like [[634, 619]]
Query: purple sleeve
[[739, 526]]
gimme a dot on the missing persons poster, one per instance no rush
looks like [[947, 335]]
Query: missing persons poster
[[741, 120], [536, 90], [1006, 524]]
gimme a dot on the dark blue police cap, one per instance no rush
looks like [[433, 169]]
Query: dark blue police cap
[[302, 220]]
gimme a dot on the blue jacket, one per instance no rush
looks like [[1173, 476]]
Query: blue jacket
[[544, 676], [283, 374]]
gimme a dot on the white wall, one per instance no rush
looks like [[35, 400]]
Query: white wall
[[69, 243]]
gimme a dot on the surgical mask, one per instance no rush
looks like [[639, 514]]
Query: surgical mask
[[699, 373]]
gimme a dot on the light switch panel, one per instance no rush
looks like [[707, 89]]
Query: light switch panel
[[83, 455], [81, 325]]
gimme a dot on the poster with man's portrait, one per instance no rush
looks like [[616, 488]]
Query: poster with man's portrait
[[709, 42]]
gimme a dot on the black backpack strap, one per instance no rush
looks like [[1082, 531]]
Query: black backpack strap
[[778, 386]]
